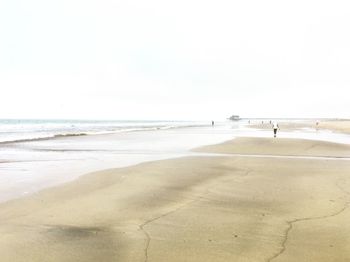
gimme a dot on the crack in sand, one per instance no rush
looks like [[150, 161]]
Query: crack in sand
[[290, 225], [147, 222]]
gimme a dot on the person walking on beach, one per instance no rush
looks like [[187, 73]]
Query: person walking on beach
[[275, 127]]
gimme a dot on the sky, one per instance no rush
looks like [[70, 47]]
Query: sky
[[174, 60]]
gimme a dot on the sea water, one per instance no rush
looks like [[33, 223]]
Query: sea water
[[14, 130]]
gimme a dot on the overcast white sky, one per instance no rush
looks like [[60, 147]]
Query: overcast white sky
[[183, 59]]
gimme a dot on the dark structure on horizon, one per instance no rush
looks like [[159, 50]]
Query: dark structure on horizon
[[234, 118]]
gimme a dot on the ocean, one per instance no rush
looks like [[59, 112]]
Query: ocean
[[21, 130]]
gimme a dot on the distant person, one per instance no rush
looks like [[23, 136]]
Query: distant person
[[275, 127], [212, 123]]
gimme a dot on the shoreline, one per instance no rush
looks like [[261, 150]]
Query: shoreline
[[26, 168], [341, 126], [45, 163], [196, 208]]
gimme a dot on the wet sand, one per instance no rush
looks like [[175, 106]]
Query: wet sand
[[204, 208]]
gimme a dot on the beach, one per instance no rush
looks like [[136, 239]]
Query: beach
[[247, 199], [34, 160], [174, 131], [336, 125]]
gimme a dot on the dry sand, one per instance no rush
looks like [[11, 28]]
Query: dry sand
[[209, 208], [336, 125], [278, 146], [342, 126]]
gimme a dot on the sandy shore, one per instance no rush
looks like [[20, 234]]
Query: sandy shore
[[205, 208], [339, 125], [283, 147], [342, 126]]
